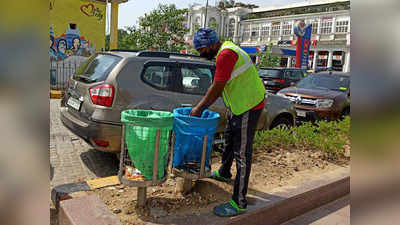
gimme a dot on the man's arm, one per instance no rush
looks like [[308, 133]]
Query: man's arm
[[224, 66], [211, 96]]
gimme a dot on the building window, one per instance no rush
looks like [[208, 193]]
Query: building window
[[196, 24], [326, 26], [342, 26], [212, 23], [255, 32], [246, 31], [275, 29], [315, 27], [264, 32], [287, 28], [197, 21], [231, 28]]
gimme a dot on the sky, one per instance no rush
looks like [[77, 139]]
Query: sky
[[130, 11]]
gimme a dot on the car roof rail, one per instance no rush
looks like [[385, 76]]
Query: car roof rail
[[165, 54], [123, 50]]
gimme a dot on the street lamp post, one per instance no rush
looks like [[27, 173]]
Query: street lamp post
[[205, 18]]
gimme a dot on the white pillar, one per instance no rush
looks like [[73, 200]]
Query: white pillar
[[236, 33], [315, 60], [190, 23], [319, 26], [250, 30], [333, 25], [347, 63], [330, 58], [289, 62], [222, 25], [202, 20]]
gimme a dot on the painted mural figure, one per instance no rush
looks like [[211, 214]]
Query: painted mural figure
[[52, 51], [61, 49], [68, 44], [76, 46]]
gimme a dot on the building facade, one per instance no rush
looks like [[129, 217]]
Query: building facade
[[251, 28]]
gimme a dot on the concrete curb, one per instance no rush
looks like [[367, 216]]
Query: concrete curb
[[66, 191], [86, 210], [296, 205]]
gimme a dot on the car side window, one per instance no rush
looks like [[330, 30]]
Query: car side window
[[298, 74], [158, 76], [196, 80], [289, 74]]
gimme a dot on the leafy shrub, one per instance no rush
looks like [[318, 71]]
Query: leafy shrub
[[330, 137]]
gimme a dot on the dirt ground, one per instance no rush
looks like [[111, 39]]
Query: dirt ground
[[271, 168]]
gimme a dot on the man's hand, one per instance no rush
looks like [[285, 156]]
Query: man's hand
[[212, 94], [196, 112]]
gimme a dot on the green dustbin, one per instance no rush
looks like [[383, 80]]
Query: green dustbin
[[140, 137]]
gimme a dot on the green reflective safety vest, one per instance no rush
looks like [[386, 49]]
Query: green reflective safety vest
[[244, 90]]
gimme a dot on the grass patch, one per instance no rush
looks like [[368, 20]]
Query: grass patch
[[329, 137]]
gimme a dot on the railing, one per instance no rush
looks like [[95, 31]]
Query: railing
[[60, 71]]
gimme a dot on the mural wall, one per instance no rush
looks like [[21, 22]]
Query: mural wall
[[77, 28]]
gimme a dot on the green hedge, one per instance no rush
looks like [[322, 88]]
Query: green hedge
[[330, 137]]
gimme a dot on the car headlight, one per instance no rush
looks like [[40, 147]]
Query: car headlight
[[324, 103]]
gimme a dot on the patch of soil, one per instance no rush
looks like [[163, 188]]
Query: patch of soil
[[271, 168]]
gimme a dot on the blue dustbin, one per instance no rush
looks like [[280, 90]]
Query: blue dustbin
[[189, 134]]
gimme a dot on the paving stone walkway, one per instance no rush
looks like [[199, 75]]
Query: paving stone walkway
[[71, 158]]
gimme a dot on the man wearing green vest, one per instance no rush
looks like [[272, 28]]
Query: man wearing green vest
[[237, 81]]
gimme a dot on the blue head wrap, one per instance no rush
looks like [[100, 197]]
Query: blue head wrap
[[204, 37]]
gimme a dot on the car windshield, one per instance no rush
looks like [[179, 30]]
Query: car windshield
[[97, 67], [269, 73], [331, 82]]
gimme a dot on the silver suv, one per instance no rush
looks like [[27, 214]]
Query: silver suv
[[110, 82]]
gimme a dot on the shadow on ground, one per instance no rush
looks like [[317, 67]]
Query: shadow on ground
[[102, 164], [53, 216], [51, 172]]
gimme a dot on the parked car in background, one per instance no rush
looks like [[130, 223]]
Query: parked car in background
[[320, 96], [276, 79], [110, 82]]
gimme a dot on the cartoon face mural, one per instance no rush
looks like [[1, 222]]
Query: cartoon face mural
[[76, 44], [70, 43], [61, 48], [78, 26]]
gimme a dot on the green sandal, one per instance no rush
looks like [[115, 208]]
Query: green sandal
[[228, 209], [216, 176]]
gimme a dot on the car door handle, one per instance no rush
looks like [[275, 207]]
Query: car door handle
[[186, 105]]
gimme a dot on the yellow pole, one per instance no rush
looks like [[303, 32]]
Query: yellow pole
[[114, 26]]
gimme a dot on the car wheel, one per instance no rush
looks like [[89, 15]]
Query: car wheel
[[345, 112], [281, 123]]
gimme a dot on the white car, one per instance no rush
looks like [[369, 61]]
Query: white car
[[190, 82]]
